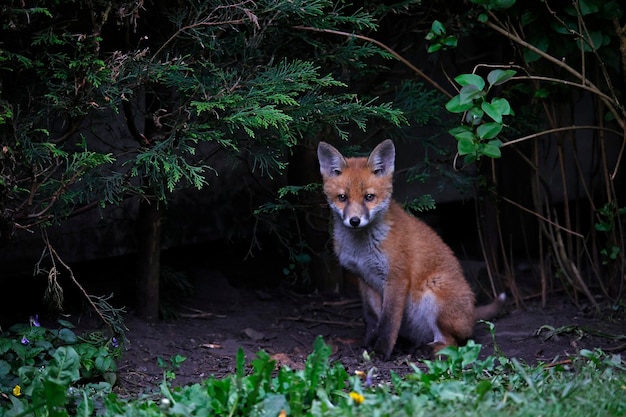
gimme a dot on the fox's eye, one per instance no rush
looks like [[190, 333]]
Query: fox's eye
[[369, 197], [342, 197]]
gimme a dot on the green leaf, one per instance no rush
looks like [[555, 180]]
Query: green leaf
[[317, 363], [5, 368], [489, 130], [498, 76], [594, 42], [104, 363], [541, 92], [438, 28], [466, 147], [455, 105], [502, 106], [67, 336], [492, 149], [502, 4], [588, 7], [462, 132], [56, 397], [272, 405], [491, 111], [471, 79], [542, 43], [483, 387], [469, 93], [450, 41], [65, 365], [434, 48], [528, 17]]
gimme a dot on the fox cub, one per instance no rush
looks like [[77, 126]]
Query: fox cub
[[410, 282]]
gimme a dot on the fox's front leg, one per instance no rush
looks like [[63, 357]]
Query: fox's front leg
[[390, 320], [372, 304]]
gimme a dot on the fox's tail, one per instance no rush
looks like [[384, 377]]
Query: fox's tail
[[490, 310]]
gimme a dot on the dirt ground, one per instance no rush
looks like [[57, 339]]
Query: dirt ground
[[219, 319]]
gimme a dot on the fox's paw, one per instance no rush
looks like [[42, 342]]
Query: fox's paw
[[384, 348], [371, 338]]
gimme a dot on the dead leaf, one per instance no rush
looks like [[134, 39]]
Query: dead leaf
[[283, 359]]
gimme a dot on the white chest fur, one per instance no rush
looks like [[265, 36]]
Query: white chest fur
[[359, 251]]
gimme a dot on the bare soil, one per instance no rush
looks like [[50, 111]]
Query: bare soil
[[220, 318]]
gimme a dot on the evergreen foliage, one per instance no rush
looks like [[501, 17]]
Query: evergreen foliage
[[192, 79]]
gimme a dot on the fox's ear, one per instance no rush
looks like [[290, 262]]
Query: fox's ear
[[331, 160], [382, 158]]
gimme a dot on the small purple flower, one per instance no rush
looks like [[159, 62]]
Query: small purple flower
[[114, 343], [34, 321], [25, 340], [369, 378]]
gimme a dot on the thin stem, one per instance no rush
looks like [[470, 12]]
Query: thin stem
[[541, 217], [555, 130], [386, 48], [619, 116]]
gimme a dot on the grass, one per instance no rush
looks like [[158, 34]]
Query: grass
[[591, 383]]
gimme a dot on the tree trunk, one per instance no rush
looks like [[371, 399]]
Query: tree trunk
[[149, 259]]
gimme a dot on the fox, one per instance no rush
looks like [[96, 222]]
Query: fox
[[410, 282]]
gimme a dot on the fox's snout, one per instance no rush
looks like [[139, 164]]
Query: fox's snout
[[355, 222], [353, 215]]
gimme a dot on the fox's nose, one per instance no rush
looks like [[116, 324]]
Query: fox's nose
[[355, 221]]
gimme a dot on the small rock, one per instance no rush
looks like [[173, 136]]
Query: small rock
[[253, 334]]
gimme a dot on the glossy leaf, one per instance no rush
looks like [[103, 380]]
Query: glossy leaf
[[594, 42], [588, 7], [462, 132], [438, 28], [434, 47], [498, 76], [502, 4], [455, 105], [492, 149], [471, 79], [470, 92], [502, 106], [466, 147], [450, 41], [492, 111], [489, 130]]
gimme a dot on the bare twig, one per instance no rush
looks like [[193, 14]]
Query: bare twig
[[619, 115], [329, 322], [55, 257], [250, 17], [386, 48], [541, 217]]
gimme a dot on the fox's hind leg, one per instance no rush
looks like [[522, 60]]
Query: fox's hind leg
[[455, 322]]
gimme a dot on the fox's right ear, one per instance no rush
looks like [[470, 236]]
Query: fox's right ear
[[331, 160]]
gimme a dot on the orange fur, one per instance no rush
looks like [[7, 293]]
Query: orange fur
[[411, 283]]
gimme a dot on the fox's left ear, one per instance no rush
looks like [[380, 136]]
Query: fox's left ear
[[382, 158], [332, 163]]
